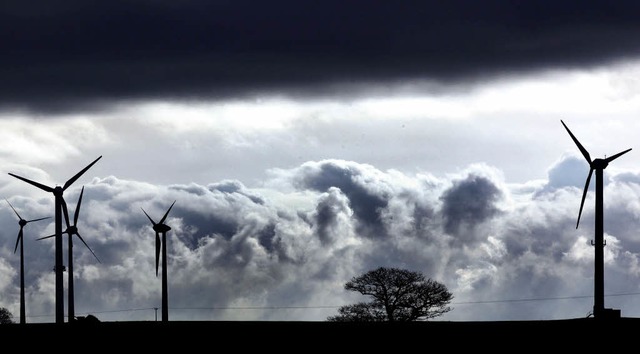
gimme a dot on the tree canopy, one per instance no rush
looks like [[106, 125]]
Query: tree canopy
[[397, 295], [6, 316]]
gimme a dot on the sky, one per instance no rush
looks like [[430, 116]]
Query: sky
[[306, 143]]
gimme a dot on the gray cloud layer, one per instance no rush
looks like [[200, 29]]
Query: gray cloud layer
[[75, 55], [237, 253]]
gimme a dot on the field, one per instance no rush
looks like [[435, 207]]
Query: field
[[512, 336]]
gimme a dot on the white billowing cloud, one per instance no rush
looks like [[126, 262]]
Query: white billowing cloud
[[8, 275], [581, 251], [237, 254]]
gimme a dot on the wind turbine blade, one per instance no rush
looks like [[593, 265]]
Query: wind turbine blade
[[611, 158], [157, 252], [167, 213], [50, 236], [14, 210], [39, 185], [74, 178], [575, 140], [65, 212], [48, 217], [150, 219], [81, 239], [584, 194], [18, 239], [75, 216]]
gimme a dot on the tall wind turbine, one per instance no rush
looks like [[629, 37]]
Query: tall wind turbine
[[597, 165], [72, 230], [161, 228], [59, 204], [22, 222]]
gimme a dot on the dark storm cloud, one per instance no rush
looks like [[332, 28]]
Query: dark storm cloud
[[331, 206], [201, 224], [78, 55], [212, 220], [230, 186], [468, 203], [366, 197]]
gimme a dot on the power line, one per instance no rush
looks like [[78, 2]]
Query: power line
[[539, 299], [126, 310], [255, 307], [453, 303], [338, 306]]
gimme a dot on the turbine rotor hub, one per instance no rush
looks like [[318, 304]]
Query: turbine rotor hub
[[599, 164]]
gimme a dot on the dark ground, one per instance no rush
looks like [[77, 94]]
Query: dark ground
[[238, 336]]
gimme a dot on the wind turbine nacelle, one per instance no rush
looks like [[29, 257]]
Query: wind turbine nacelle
[[599, 164]]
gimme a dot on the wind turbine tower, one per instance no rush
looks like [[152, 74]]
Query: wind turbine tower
[[161, 228], [22, 222], [597, 165], [72, 230], [59, 204]]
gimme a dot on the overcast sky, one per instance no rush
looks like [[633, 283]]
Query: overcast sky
[[307, 142]]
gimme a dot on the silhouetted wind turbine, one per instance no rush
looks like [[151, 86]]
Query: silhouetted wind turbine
[[161, 228], [597, 165], [59, 204], [22, 222], [71, 231]]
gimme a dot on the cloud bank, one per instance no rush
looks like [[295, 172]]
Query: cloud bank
[[75, 56], [237, 253]]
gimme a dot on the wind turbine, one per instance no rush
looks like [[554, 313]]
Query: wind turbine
[[59, 204], [71, 231], [22, 222], [597, 165], [161, 228]]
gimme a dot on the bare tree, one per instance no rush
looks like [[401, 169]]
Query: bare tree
[[398, 295], [6, 316], [360, 312]]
